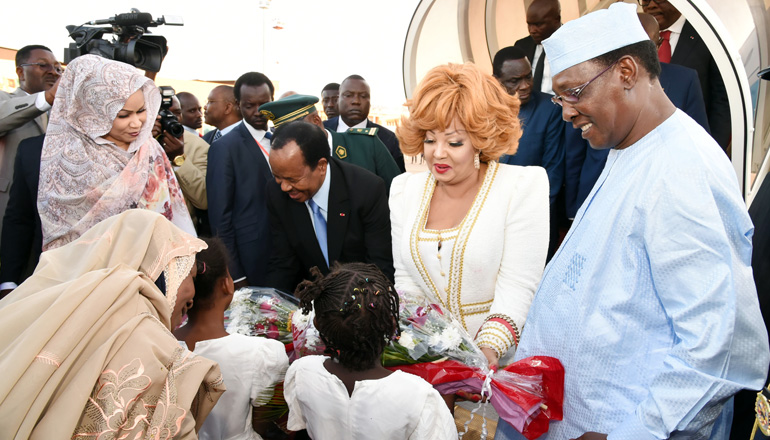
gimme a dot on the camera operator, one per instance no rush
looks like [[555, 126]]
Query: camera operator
[[188, 154]]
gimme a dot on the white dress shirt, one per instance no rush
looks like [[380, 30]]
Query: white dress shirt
[[547, 85], [259, 136], [343, 127]]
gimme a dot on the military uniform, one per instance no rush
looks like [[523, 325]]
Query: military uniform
[[362, 147], [358, 146]]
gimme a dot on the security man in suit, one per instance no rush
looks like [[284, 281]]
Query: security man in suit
[[543, 18], [353, 106], [542, 140], [682, 45], [236, 179], [359, 146], [23, 112], [322, 210], [221, 111]]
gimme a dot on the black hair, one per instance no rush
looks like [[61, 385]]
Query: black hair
[[255, 79], [356, 312], [310, 139], [645, 52], [331, 86], [503, 55], [354, 76], [22, 56], [212, 266]]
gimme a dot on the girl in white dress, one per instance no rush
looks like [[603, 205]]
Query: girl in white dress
[[349, 394], [251, 366]]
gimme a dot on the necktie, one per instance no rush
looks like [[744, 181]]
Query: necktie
[[320, 229], [269, 135], [538, 78], [664, 51], [217, 135]]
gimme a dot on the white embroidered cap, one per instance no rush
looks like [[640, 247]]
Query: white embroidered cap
[[592, 35]]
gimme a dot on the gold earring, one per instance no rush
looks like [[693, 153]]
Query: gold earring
[[476, 162]]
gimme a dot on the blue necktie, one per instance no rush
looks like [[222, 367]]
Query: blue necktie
[[320, 229], [268, 135], [217, 135]]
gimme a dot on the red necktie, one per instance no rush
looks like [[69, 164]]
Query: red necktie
[[664, 51]]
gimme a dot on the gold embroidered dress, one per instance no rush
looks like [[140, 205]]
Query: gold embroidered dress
[[486, 267]]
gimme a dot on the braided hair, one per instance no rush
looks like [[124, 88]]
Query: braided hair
[[356, 308], [212, 266]]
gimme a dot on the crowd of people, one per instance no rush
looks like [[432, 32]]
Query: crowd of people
[[112, 311]]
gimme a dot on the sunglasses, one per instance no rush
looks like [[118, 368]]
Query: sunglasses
[[572, 96], [46, 67]]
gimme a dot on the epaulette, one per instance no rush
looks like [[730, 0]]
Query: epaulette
[[371, 131]]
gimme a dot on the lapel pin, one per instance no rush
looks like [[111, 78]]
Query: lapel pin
[[342, 214]]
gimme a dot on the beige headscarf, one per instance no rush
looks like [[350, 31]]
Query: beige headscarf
[[85, 178], [85, 346]]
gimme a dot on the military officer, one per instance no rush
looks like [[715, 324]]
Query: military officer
[[359, 146]]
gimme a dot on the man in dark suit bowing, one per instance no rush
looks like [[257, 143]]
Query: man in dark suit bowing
[[235, 184], [543, 18], [353, 105], [322, 210]]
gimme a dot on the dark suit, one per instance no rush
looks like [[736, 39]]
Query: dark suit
[[681, 87], [358, 227], [386, 136], [209, 137], [235, 183], [542, 141], [22, 238], [542, 144], [692, 52], [528, 46]]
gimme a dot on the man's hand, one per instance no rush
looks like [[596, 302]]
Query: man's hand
[[592, 436], [172, 146], [156, 129], [50, 94]]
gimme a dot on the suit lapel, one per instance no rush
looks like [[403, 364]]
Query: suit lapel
[[684, 46], [339, 212], [255, 151]]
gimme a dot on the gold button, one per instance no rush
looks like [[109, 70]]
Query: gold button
[[443, 274]]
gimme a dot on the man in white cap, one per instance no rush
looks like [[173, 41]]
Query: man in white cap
[[649, 303]]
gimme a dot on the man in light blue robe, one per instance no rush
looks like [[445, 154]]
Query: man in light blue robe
[[649, 303]]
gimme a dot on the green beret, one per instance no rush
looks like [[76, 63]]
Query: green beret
[[289, 108]]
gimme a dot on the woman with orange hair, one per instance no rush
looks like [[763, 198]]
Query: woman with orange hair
[[469, 234]]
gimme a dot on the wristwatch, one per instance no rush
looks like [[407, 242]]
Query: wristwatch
[[179, 160]]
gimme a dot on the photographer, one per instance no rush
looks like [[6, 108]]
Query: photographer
[[188, 154]]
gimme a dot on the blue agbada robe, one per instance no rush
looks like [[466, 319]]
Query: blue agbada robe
[[650, 302]]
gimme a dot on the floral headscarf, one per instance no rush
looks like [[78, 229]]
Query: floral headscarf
[[85, 178]]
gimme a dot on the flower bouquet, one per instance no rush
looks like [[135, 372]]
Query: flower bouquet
[[259, 311], [307, 340], [435, 346]]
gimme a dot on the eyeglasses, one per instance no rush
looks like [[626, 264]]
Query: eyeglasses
[[572, 95], [46, 67], [644, 3]]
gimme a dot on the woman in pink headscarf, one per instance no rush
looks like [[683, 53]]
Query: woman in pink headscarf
[[99, 157]]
